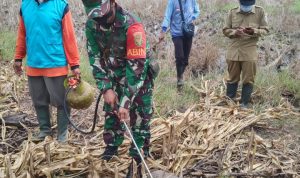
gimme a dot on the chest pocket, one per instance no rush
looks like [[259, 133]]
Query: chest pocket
[[236, 22], [253, 25], [117, 52], [118, 49]]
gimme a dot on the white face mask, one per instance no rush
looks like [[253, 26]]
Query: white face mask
[[246, 8], [40, 1]]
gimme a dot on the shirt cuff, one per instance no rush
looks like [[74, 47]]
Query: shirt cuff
[[18, 60], [74, 67], [164, 29], [104, 86], [256, 31]]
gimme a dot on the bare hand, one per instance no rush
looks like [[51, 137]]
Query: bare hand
[[18, 67], [239, 32], [76, 73], [249, 31], [110, 97], [123, 114]]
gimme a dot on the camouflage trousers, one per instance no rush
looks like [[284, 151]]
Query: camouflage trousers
[[140, 115]]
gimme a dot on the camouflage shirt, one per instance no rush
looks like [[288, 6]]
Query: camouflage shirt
[[119, 55]]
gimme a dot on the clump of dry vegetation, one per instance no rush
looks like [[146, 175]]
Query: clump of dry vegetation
[[208, 139], [204, 57]]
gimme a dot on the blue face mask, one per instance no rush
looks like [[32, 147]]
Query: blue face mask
[[246, 8]]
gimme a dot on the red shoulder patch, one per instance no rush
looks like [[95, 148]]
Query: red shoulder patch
[[136, 42]]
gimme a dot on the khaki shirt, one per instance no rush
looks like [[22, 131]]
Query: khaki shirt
[[245, 47]]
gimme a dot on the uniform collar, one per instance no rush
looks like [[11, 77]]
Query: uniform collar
[[252, 11]]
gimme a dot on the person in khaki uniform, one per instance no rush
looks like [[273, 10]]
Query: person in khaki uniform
[[244, 25]]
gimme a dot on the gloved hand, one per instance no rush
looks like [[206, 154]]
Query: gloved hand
[[249, 31], [18, 67]]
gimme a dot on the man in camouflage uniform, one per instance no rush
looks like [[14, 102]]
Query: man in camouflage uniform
[[244, 25], [119, 56]]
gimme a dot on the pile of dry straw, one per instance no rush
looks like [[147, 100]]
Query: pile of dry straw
[[211, 138]]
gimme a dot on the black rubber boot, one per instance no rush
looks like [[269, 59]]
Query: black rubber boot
[[231, 90], [246, 94], [43, 116], [130, 171], [180, 82], [62, 125], [109, 152]]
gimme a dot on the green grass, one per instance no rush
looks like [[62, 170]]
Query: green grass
[[271, 9], [272, 83], [296, 6], [86, 71], [228, 6], [289, 83], [166, 97], [7, 45]]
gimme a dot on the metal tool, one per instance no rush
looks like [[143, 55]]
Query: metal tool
[[137, 148]]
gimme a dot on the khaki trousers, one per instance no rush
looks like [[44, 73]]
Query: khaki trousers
[[236, 68]]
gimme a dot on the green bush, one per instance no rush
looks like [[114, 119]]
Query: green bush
[[296, 6], [271, 84], [86, 71], [7, 45]]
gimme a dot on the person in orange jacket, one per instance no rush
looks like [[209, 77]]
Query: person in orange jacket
[[46, 35]]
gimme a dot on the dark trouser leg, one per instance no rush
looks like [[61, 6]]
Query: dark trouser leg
[[233, 77], [248, 77], [187, 46], [55, 86], [180, 61], [41, 100]]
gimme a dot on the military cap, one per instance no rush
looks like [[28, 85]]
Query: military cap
[[96, 8], [247, 2]]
